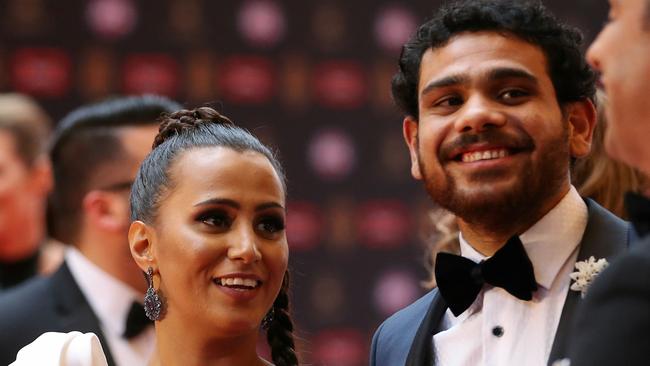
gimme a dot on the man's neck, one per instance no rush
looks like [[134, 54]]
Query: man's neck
[[119, 265], [486, 240]]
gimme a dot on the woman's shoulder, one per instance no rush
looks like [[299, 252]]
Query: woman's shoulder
[[62, 349]]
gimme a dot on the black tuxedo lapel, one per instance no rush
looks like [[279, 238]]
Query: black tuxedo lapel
[[605, 236], [73, 308], [421, 352]]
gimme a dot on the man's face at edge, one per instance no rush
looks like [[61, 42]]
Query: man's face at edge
[[621, 53]]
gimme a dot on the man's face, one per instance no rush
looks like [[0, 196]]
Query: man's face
[[22, 197], [491, 139], [116, 180], [622, 54]]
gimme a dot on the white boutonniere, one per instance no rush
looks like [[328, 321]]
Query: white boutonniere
[[587, 270]]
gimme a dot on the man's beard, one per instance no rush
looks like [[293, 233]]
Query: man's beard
[[506, 210]]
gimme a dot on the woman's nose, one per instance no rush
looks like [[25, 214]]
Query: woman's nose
[[243, 246]]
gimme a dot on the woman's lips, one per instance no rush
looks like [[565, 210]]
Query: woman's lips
[[240, 287]]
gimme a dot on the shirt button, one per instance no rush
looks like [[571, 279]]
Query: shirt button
[[497, 331]]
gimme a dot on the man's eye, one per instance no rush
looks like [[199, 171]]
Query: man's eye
[[513, 94], [449, 101]]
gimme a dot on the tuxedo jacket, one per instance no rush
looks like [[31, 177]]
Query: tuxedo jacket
[[47, 304], [406, 337], [613, 325]]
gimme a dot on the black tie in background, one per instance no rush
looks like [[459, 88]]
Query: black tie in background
[[460, 280], [638, 208], [136, 321]]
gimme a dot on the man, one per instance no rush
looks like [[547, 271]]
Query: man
[[614, 325], [95, 155], [497, 98], [25, 181]]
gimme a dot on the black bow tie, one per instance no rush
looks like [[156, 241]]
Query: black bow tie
[[460, 280], [136, 321], [638, 208]]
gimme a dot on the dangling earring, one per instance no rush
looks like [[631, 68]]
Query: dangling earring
[[268, 319], [152, 302]]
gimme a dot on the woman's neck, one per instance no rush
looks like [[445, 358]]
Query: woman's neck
[[189, 345]]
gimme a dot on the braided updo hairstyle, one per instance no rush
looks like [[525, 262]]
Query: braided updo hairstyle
[[205, 127]]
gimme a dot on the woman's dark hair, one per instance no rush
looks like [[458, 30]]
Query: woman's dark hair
[[179, 132], [279, 335], [204, 127], [528, 20]]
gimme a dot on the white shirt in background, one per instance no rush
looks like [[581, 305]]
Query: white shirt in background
[[111, 300]]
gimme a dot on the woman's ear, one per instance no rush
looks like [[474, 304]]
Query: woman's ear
[[582, 121], [141, 241]]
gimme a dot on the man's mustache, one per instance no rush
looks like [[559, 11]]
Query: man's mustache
[[519, 141]]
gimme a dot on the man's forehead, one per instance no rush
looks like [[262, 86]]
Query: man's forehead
[[480, 54]]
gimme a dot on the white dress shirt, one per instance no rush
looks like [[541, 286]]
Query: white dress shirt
[[111, 301], [499, 329]]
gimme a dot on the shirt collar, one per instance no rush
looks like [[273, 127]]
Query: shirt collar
[[109, 298], [551, 240]]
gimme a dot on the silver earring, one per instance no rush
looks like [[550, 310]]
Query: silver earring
[[268, 319], [152, 301]]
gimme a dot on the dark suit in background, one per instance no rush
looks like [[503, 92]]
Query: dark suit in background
[[613, 327], [50, 304]]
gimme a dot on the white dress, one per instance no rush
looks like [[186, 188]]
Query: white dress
[[62, 349]]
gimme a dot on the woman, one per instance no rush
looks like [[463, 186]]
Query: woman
[[208, 212]]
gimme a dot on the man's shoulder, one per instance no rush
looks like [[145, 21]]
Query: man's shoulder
[[25, 298], [392, 340], [608, 234], [402, 326], [414, 313]]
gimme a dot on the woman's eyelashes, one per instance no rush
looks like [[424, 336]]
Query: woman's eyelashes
[[269, 226], [217, 219]]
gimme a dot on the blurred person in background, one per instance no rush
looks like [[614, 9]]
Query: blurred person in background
[[614, 325], [95, 154], [498, 100], [25, 181]]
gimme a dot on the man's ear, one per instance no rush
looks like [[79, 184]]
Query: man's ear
[[410, 130], [105, 211], [581, 118], [141, 239]]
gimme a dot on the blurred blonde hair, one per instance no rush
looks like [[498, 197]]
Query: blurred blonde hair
[[596, 176]]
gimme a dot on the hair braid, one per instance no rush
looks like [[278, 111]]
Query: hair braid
[[280, 332], [174, 123]]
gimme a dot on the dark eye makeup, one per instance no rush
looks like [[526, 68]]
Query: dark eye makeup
[[219, 219]]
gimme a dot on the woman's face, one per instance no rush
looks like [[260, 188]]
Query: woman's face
[[219, 241]]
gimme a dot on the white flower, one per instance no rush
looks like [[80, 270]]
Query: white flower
[[586, 272]]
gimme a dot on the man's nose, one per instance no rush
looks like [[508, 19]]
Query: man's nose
[[478, 114]]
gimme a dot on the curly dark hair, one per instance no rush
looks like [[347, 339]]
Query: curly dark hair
[[529, 20], [189, 129]]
